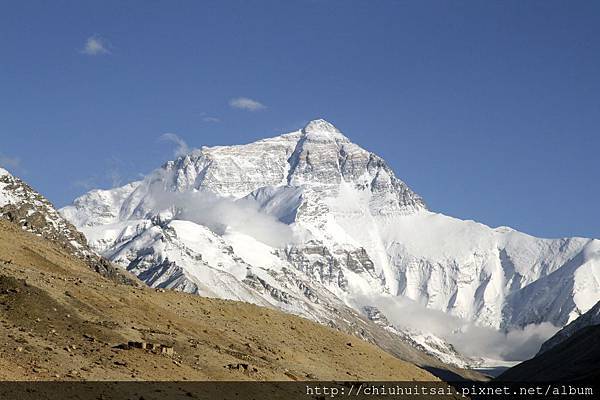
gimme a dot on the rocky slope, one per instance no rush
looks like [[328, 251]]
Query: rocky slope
[[61, 321], [311, 223], [22, 205]]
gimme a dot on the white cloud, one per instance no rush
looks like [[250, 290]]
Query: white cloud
[[245, 103], [112, 176], [10, 162], [113, 172], [211, 119], [182, 147], [221, 214], [85, 183], [94, 46]]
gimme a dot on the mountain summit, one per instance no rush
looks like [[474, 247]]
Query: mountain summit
[[310, 223], [321, 129]]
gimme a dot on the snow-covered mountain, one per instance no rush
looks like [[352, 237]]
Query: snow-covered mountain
[[25, 207], [309, 221]]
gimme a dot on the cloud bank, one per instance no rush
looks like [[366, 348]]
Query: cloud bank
[[10, 162], [468, 338], [222, 214]]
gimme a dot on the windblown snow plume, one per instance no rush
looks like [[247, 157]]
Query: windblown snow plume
[[181, 146]]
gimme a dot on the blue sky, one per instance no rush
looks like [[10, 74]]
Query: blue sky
[[489, 109]]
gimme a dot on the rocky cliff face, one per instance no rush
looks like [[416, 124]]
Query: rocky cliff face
[[22, 205], [309, 222]]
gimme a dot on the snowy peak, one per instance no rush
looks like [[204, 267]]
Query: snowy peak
[[320, 125], [3, 172], [324, 161], [322, 130], [318, 159]]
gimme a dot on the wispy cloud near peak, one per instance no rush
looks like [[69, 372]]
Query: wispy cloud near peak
[[10, 162], [246, 103], [94, 46]]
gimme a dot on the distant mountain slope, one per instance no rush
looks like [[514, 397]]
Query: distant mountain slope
[[61, 321], [310, 222], [577, 358], [573, 353], [22, 205], [590, 318]]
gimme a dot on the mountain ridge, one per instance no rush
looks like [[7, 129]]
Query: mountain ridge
[[24, 206]]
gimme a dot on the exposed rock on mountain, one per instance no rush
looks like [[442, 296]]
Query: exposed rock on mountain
[[22, 205]]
